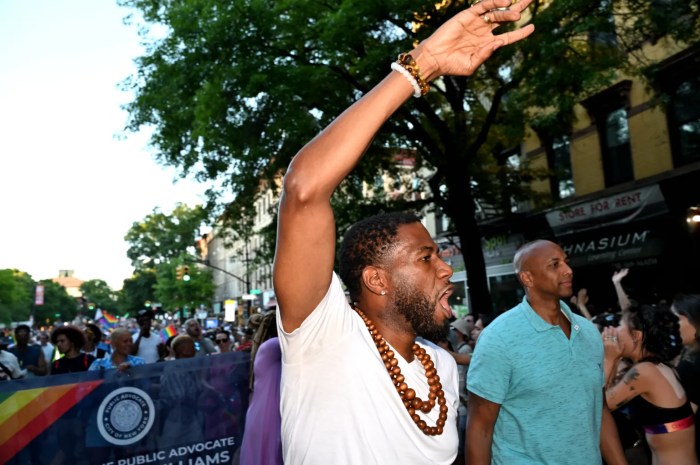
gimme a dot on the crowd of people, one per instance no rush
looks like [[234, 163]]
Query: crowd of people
[[87, 345], [380, 371]]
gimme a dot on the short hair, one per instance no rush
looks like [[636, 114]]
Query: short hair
[[661, 337], [23, 327], [522, 251], [94, 329], [73, 334], [368, 242], [118, 331], [179, 341]]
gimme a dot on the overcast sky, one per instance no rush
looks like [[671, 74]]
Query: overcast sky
[[69, 189]]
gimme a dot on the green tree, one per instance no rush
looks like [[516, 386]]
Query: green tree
[[98, 292], [175, 293], [58, 305], [161, 237], [234, 89], [136, 291], [16, 295]]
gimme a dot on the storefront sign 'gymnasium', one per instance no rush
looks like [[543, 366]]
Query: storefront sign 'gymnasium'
[[612, 229]]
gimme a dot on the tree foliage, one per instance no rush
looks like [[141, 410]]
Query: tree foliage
[[158, 244], [136, 291], [98, 292], [161, 237], [235, 88], [175, 293], [16, 295]]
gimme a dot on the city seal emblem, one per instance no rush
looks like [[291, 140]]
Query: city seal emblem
[[125, 416]]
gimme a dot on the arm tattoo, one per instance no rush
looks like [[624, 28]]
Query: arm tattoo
[[631, 375]]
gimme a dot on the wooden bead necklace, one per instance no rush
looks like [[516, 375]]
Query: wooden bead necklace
[[408, 395]]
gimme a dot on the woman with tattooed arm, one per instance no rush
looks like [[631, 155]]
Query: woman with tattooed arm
[[650, 338]]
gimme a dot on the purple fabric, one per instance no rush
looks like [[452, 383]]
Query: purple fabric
[[262, 444]]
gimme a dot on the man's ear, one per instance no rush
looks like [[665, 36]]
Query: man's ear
[[525, 278], [374, 279]]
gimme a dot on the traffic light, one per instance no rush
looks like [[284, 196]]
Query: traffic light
[[186, 274]]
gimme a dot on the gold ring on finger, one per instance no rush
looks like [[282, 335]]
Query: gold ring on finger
[[486, 18]]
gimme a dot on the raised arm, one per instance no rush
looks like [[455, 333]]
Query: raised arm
[[581, 302], [622, 299], [306, 227]]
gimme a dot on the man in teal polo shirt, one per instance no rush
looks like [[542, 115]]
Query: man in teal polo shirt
[[536, 377]]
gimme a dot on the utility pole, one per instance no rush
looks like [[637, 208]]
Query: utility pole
[[249, 305]]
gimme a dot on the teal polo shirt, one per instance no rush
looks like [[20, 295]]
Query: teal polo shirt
[[550, 388]]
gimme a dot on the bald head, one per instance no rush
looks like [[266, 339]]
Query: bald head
[[541, 267], [527, 251]]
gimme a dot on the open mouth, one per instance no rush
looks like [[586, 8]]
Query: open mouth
[[443, 300]]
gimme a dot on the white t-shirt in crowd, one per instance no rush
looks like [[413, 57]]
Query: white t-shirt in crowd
[[48, 352], [11, 364], [338, 403], [148, 347]]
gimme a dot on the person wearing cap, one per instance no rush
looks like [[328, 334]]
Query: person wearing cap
[[145, 342]]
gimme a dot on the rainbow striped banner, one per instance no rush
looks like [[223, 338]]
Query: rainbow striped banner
[[25, 414], [189, 411]]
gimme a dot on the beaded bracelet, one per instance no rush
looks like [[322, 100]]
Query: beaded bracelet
[[416, 88], [407, 62]]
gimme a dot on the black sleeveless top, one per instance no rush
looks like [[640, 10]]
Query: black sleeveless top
[[645, 414]]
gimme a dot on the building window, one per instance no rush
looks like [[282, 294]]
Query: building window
[[556, 144], [677, 80], [608, 111], [604, 34], [559, 158], [615, 147], [684, 121]]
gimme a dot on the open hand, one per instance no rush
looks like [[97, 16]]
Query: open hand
[[619, 274], [582, 298], [464, 42]]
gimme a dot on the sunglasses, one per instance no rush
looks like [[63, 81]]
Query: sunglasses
[[221, 341]]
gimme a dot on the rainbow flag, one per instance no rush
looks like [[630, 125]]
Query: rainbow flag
[[26, 414], [168, 332], [110, 318]]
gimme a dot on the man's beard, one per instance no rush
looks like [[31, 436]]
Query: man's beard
[[419, 311]]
